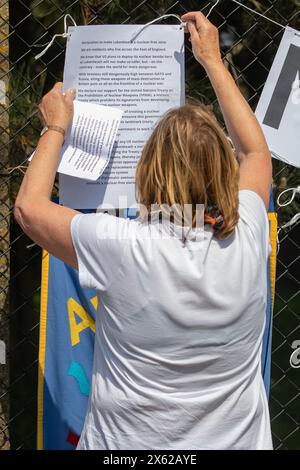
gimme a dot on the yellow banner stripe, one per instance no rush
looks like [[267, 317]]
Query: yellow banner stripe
[[42, 347], [273, 241]]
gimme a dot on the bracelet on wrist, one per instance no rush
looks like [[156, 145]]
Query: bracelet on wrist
[[59, 129]]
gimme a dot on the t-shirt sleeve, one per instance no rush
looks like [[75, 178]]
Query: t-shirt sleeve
[[99, 242], [253, 213]]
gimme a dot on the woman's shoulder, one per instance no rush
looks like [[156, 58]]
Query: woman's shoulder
[[254, 218]]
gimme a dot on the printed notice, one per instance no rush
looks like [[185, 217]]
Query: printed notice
[[278, 109], [139, 70], [90, 140]]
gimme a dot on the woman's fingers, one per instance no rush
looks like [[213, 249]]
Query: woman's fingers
[[193, 31], [56, 107], [70, 95], [197, 17], [58, 87], [204, 37]]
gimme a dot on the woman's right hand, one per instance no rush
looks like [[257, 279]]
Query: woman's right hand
[[204, 38], [57, 108]]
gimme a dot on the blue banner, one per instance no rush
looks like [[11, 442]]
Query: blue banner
[[67, 326]]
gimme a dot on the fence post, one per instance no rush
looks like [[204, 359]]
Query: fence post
[[4, 225]]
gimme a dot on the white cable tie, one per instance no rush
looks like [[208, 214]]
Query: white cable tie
[[65, 34], [295, 191], [65, 21], [216, 2], [259, 14], [293, 221], [182, 23], [278, 241]]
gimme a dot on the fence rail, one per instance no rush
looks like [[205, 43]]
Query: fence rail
[[249, 44]]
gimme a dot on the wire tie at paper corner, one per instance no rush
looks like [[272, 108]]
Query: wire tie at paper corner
[[216, 2], [65, 34], [182, 24], [294, 219], [258, 14], [287, 203]]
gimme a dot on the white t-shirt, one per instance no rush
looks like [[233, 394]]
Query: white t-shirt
[[179, 329]]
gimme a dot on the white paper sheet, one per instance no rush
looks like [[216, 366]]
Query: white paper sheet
[[144, 77], [278, 110], [89, 142]]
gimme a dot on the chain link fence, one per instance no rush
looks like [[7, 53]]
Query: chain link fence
[[249, 44]]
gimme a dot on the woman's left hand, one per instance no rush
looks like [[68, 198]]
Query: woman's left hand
[[57, 108]]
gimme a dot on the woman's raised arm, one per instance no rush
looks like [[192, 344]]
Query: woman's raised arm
[[242, 125], [46, 223]]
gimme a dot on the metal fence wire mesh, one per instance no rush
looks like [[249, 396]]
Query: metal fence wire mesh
[[249, 44]]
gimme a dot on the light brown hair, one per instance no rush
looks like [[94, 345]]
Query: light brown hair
[[189, 160]]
